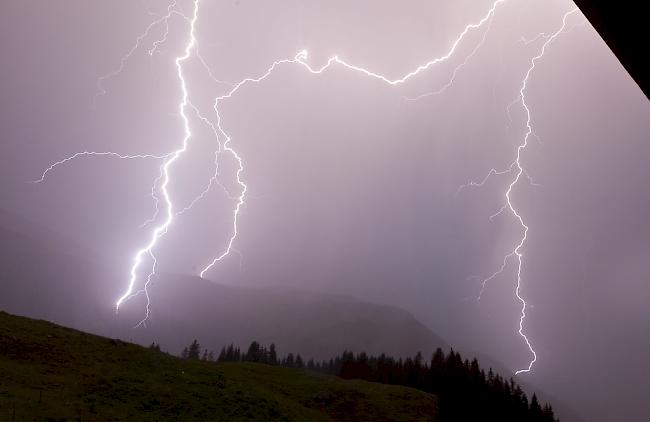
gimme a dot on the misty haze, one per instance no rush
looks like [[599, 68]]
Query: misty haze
[[320, 210]]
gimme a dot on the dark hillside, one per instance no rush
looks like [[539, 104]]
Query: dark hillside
[[48, 371]]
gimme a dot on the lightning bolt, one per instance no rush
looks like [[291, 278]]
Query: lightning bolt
[[300, 59], [76, 155], [452, 79], [161, 195], [520, 171], [171, 11], [162, 229]]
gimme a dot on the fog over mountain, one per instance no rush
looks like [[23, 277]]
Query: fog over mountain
[[43, 280]]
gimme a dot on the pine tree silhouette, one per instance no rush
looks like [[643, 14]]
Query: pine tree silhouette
[[194, 350]]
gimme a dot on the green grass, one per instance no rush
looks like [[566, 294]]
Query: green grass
[[49, 372]]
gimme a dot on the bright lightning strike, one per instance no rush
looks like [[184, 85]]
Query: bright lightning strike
[[519, 171], [161, 194], [162, 229], [458, 68]]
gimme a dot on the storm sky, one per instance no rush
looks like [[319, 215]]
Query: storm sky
[[353, 188]]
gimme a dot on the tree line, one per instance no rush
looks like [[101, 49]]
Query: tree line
[[464, 390]]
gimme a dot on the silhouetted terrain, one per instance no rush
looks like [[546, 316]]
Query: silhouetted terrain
[[44, 276], [55, 373], [456, 382]]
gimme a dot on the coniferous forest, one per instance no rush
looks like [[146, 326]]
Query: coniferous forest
[[465, 391]]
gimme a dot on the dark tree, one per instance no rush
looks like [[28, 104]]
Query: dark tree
[[229, 354], [255, 353], [273, 355], [290, 360], [222, 355], [194, 350], [464, 390]]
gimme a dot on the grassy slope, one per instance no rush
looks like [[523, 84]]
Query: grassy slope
[[51, 371]]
